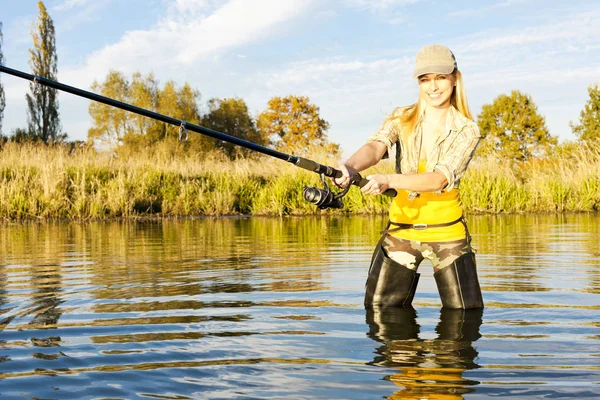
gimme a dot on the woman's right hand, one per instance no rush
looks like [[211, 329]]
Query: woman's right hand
[[345, 179]]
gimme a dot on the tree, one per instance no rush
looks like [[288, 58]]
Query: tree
[[231, 116], [110, 124], [513, 129], [115, 127], [143, 93], [588, 129], [42, 114], [21, 135], [180, 103], [2, 98], [292, 123]]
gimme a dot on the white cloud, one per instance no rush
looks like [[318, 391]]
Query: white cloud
[[390, 11], [543, 60], [210, 44], [178, 47], [179, 40], [68, 4], [190, 7], [379, 4], [327, 71], [575, 29], [487, 9]]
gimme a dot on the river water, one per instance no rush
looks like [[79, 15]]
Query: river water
[[272, 308]]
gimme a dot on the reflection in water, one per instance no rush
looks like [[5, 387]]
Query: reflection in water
[[272, 308], [428, 368], [46, 286]]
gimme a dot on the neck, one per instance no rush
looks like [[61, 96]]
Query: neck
[[436, 115]]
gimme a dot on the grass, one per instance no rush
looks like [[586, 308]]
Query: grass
[[39, 182], [560, 183]]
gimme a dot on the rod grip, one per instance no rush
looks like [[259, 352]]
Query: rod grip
[[360, 181]]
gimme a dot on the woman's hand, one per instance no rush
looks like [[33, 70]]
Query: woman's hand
[[347, 173], [377, 184]]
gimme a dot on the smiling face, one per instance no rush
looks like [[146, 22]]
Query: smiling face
[[436, 89]]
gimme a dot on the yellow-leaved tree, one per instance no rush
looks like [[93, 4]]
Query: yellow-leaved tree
[[110, 124], [293, 124], [116, 127]]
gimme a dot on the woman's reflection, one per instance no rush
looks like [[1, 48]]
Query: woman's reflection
[[428, 368]]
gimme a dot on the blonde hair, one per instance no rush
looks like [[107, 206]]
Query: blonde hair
[[458, 99]]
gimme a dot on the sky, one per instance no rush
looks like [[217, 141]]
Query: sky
[[352, 58]]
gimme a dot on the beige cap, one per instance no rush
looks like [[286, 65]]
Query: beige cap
[[434, 59]]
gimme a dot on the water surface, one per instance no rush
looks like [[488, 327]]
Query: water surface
[[272, 308]]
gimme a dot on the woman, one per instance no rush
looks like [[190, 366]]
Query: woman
[[435, 139]]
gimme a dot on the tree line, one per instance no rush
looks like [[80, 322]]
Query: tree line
[[511, 125], [290, 123]]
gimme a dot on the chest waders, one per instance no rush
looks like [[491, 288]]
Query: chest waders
[[390, 283]]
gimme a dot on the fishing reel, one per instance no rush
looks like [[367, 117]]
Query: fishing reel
[[325, 198]]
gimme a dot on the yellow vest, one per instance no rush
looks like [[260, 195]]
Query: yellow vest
[[428, 208]]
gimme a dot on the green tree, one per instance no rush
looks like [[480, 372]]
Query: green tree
[[42, 114], [110, 124], [2, 98], [231, 116], [513, 129], [293, 124], [588, 129]]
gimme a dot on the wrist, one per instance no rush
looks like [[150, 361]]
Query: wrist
[[395, 181]]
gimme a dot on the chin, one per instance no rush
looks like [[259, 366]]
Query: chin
[[441, 102]]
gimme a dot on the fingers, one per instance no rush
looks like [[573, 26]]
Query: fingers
[[344, 180], [377, 184]]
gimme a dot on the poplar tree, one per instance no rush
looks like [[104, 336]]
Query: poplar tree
[[2, 99], [42, 113]]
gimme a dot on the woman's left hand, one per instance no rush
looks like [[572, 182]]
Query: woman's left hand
[[377, 184]]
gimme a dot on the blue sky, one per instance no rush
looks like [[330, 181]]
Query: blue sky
[[352, 58]]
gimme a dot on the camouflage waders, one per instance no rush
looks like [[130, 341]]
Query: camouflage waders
[[393, 277]]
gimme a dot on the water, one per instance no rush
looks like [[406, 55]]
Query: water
[[272, 308]]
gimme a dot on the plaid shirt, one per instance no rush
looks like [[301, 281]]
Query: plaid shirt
[[451, 154]]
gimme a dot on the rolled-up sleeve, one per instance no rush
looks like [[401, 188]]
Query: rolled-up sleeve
[[454, 162], [389, 131]]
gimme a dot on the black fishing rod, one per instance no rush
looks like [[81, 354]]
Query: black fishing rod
[[322, 198]]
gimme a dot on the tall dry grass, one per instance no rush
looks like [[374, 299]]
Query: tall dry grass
[[567, 181], [38, 182]]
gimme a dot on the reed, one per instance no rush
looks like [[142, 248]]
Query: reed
[[563, 182], [40, 182]]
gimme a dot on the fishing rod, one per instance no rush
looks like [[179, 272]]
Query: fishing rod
[[322, 198]]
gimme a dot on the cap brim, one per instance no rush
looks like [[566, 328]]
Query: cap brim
[[433, 69]]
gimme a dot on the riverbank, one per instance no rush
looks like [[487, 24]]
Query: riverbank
[[39, 182]]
